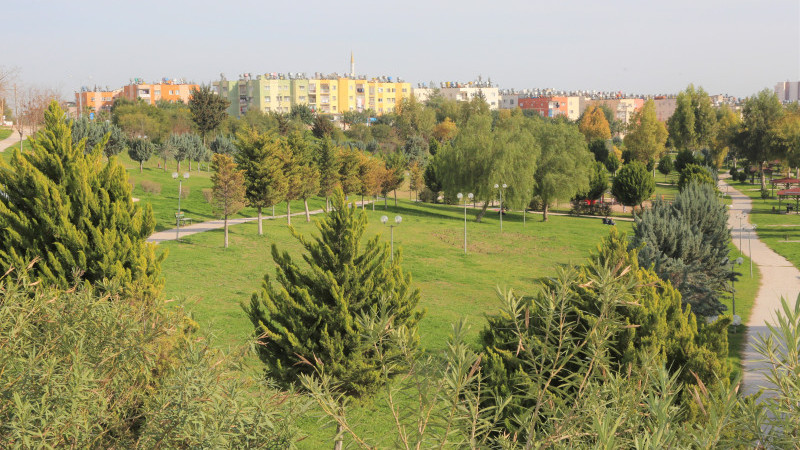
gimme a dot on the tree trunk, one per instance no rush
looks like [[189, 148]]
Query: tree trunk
[[179, 167], [395, 198], [482, 212], [288, 212], [165, 164], [544, 212], [373, 203], [384, 201], [338, 444], [327, 207], [763, 181], [141, 166], [362, 202], [308, 215], [226, 231], [260, 229], [190, 165]]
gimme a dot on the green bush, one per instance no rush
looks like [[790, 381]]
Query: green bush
[[694, 173], [150, 187], [82, 371]]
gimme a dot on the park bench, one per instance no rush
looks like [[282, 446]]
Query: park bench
[[181, 220]]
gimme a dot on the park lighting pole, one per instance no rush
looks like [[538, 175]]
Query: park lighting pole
[[397, 220], [504, 186], [750, 249], [469, 197], [737, 262], [180, 190]]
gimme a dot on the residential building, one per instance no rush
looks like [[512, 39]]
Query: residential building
[[623, 108], [665, 107], [546, 106], [509, 99], [788, 91], [97, 100], [462, 92], [168, 90]]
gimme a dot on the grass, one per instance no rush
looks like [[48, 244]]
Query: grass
[[5, 132]]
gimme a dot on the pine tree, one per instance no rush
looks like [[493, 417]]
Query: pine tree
[[313, 312], [687, 242], [328, 163], [208, 110], [261, 158], [633, 184], [76, 213], [97, 132], [348, 171]]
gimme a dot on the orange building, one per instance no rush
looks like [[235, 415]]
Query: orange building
[[95, 101], [168, 90], [546, 106]]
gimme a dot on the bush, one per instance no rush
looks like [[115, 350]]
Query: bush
[[743, 177], [733, 173], [633, 184], [208, 194], [151, 187], [185, 192], [683, 159], [694, 173], [427, 196], [583, 208], [536, 204], [765, 193], [80, 371]]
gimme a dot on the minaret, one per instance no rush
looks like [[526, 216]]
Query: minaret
[[352, 66]]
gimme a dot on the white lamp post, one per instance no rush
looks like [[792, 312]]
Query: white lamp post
[[469, 197], [397, 220], [501, 188], [750, 249], [737, 262], [180, 191]]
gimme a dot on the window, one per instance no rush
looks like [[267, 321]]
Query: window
[[405, 90], [334, 87], [302, 88], [334, 98], [351, 98], [380, 100], [380, 90], [302, 98], [266, 99]]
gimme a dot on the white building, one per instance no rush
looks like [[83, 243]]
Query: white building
[[462, 92], [788, 91], [508, 99]]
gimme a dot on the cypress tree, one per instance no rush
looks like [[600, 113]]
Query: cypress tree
[[261, 158], [75, 212], [312, 312], [687, 241], [328, 163]]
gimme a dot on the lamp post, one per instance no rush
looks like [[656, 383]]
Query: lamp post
[[501, 189], [180, 191], [750, 249], [737, 262], [397, 220], [469, 197]]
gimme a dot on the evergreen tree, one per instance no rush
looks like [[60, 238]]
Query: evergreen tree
[[208, 110], [599, 148], [598, 181], [75, 213], [612, 163], [694, 173], [261, 159], [313, 312], [683, 159], [95, 133], [687, 242], [416, 181], [633, 184], [328, 162], [614, 293], [348, 171], [665, 165], [432, 181], [222, 144], [141, 150]]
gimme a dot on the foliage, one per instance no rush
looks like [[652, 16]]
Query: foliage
[[141, 150], [416, 179], [261, 158], [593, 125], [89, 368], [222, 144], [684, 158], [445, 130], [328, 162], [598, 181], [415, 150], [108, 136], [693, 125], [207, 109], [612, 163], [599, 148], [185, 147], [75, 213], [302, 113], [314, 313], [590, 325], [633, 184], [694, 173], [228, 188], [756, 139], [432, 181], [646, 134], [665, 165], [687, 241], [348, 170], [414, 119], [323, 127]]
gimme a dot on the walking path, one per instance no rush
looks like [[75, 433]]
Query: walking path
[[779, 278], [174, 234], [12, 139]]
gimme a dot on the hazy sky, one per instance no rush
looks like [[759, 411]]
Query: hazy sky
[[736, 47]]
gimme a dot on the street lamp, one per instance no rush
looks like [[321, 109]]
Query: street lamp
[[750, 249], [180, 191], [469, 196], [737, 262], [501, 188], [397, 220]]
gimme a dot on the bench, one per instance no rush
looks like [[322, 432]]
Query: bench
[[181, 220]]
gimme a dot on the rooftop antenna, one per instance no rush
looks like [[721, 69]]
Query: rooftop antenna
[[352, 65]]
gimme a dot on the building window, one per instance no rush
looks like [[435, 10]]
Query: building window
[[334, 87], [405, 90], [302, 88], [302, 97], [266, 99]]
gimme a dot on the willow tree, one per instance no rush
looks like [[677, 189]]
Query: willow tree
[[74, 212]]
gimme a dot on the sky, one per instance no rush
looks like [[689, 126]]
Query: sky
[[735, 47]]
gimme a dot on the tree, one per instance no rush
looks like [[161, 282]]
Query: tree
[[665, 165], [315, 313], [261, 158], [180, 148], [756, 138], [687, 241], [396, 164], [694, 173], [309, 173], [208, 110], [371, 173], [228, 188], [593, 125], [612, 163], [75, 213], [323, 127], [415, 149], [416, 179], [141, 150], [445, 130], [646, 134], [414, 119], [684, 158], [599, 148], [633, 184], [328, 162], [728, 124], [598, 181], [348, 170], [432, 181], [301, 176], [95, 132], [222, 144], [693, 124], [302, 113], [563, 166], [613, 312]]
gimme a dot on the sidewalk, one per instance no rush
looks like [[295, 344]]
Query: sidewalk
[[12, 139], [779, 278]]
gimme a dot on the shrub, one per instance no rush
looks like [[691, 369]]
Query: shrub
[[208, 194], [683, 159], [765, 193], [80, 371], [743, 177], [151, 187], [185, 192], [694, 173], [583, 208], [633, 184], [427, 196]]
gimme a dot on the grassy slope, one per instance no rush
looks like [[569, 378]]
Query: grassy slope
[[5, 132]]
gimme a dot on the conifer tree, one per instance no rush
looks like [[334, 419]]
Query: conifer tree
[[348, 171], [75, 212], [633, 184], [687, 242], [313, 312], [328, 163], [694, 173], [94, 132], [261, 159], [665, 165]]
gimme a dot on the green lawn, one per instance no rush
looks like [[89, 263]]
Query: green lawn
[[5, 132]]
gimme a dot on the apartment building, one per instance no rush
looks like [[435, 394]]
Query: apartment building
[[97, 100], [546, 106], [788, 91], [462, 92], [168, 90]]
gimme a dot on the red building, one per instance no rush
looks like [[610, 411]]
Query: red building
[[545, 106]]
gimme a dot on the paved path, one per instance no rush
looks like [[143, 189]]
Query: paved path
[[779, 278], [12, 139], [173, 234]]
